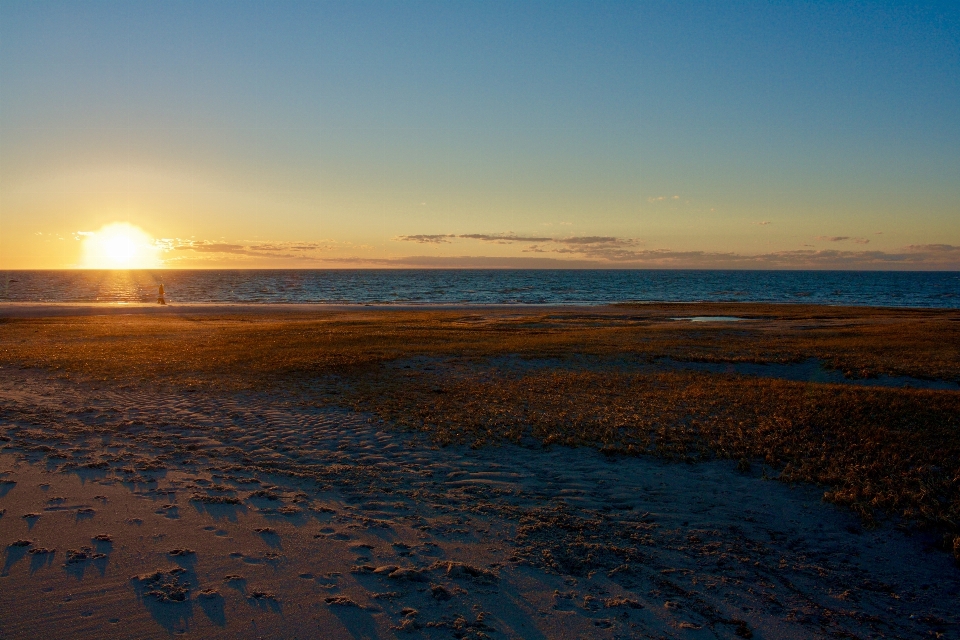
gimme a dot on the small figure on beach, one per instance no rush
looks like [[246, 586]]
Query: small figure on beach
[[160, 299]]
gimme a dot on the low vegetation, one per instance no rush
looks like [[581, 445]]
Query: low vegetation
[[881, 451], [877, 450]]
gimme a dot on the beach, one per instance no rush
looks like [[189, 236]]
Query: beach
[[647, 470]]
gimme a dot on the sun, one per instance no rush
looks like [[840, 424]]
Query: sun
[[120, 245]]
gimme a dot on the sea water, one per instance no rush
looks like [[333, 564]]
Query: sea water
[[429, 286]]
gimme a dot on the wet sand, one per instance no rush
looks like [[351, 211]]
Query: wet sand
[[142, 508], [84, 309]]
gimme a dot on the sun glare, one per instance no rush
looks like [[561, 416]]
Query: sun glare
[[120, 246]]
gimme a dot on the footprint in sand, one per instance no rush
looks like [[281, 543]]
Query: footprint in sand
[[236, 582], [170, 511]]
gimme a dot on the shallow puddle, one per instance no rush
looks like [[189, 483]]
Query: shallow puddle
[[711, 319]]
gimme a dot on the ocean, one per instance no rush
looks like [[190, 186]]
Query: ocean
[[423, 286]]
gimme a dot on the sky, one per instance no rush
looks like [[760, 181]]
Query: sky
[[481, 134]]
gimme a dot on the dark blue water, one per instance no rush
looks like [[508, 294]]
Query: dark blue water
[[887, 289]]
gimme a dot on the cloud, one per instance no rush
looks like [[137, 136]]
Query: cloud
[[287, 246], [912, 257], [213, 247], [501, 238], [944, 249], [597, 252], [592, 240], [763, 223], [427, 239], [507, 238], [259, 250], [612, 251], [843, 239]]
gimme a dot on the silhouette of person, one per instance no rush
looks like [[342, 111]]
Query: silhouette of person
[[160, 299]]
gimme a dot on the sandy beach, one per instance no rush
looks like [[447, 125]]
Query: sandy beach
[[605, 472]]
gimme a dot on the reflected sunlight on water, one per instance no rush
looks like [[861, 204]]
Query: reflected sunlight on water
[[902, 289]]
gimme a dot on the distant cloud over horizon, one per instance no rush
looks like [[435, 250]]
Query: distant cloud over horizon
[[572, 252], [844, 239], [508, 238], [272, 250], [946, 257]]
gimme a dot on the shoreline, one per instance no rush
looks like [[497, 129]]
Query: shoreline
[[59, 309], [73, 309]]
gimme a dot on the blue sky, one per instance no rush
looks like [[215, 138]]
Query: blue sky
[[403, 133]]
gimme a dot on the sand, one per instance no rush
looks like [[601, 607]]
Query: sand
[[252, 514], [138, 508], [84, 309]]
